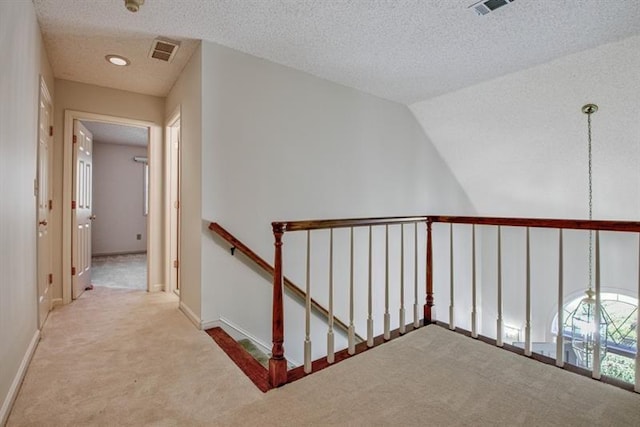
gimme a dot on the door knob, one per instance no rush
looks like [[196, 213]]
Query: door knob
[[92, 217], [44, 222]]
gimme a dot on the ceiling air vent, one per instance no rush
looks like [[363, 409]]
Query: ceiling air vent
[[163, 49], [487, 6]]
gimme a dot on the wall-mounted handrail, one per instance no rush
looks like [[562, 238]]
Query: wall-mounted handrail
[[264, 265]]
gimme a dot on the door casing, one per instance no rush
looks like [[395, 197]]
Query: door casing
[[155, 228]]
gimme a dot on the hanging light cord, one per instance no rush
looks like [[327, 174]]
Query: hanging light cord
[[590, 203]]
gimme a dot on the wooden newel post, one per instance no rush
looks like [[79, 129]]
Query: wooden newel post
[[277, 363], [429, 303]]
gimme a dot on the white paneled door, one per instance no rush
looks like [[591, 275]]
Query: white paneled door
[[82, 205], [43, 195]]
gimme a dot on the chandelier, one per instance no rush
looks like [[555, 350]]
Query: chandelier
[[584, 324]]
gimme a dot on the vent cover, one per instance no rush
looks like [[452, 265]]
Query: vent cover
[[487, 6], [164, 49]]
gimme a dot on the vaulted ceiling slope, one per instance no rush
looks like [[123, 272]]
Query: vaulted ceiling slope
[[518, 144], [402, 50]]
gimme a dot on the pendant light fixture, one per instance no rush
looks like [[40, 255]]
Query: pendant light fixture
[[584, 324]]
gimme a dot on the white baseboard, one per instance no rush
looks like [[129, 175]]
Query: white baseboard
[[208, 324], [56, 302], [190, 315], [17, 380], [238, 333], [157, 287]]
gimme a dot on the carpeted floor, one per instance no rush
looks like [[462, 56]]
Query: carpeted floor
[[133, 359], [127, 271]]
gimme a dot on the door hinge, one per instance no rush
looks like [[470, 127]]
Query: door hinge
[[176, 204], [50, 278], [50, 205], [50, 130], [73, 204], [73, 271], [75, 139], [176, 264]]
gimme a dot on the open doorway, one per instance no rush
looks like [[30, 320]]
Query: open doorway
[[77, 253], [120, 199]]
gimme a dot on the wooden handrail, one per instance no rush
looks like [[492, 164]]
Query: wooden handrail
[[264, 265], [572, 224], [317, 224]]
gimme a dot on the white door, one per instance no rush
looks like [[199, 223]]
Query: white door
[[45, 134], [82, 205]]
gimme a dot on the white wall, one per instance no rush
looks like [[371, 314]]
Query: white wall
[[518, 146], [186, 94], [118, 199], [24, 60], [117, 103], [281, 144]]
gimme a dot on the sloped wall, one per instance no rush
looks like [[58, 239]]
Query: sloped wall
[[518, 146]]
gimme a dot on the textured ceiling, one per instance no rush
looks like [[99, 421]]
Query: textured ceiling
[[117, 134], [403, 50], [518, 144]]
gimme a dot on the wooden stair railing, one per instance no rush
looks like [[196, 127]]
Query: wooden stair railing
[[594, 226], [264, 265], [278, 374]]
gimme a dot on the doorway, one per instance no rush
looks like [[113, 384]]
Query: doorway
[[153, 230], [120, 205]]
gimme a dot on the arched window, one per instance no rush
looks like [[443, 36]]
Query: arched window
[[621, 315]]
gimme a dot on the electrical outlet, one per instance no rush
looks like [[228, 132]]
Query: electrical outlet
[[138, 236]]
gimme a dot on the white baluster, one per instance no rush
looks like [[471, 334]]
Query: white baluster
[[330, 337], [416, 316], [387, 316], [352, 331], [499, 322], [596, 347], [307, 326], [560, 336], [402, 328], [452, 322], [527, 322], [637, 385], [474, 314], [370, 295]]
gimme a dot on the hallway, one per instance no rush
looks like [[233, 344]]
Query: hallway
[[121, 357]]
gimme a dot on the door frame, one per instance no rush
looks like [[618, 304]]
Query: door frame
[[155, 232], [45, 94], [175, 116]]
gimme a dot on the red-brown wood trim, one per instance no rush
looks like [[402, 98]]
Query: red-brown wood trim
[[429, 277], [320, 364], [544, 359], [574, 224], [277, 363], [247, 364], [316, 224], [264, 265]]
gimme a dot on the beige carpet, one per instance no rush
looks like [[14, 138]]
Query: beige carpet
[[130, 358], [127, 271]]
